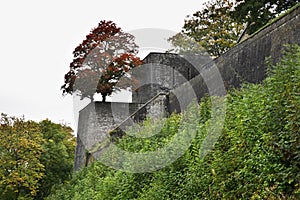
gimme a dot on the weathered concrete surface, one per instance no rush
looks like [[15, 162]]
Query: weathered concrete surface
[[155, 108], [162, 72], [95, 121]]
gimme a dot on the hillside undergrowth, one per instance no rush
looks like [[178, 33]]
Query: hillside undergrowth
[[257, 156]]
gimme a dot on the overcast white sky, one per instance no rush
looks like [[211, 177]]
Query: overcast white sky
[[37, 39]]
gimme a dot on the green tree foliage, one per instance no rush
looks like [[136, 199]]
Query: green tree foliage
[[101, 62], [34, 157], [183, 44], [58, 155], [212, 28], [258, 13], [21, 150], [256, 156]]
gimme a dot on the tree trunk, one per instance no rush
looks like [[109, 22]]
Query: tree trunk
[[92, 98], [103, 97]]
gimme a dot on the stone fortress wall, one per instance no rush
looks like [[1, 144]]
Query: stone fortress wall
[[243, 63], [95, 121]]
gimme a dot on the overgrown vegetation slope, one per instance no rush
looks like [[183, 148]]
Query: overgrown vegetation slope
[[256, 157]]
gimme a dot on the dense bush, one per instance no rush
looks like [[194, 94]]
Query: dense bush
[[256, 157]]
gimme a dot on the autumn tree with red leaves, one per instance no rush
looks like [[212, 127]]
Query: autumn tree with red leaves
[[101, 63]]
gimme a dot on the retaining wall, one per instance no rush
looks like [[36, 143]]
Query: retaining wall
[[243, 63]]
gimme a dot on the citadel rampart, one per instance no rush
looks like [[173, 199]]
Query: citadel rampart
[[246, 62], [243, 63], [95, 120]]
